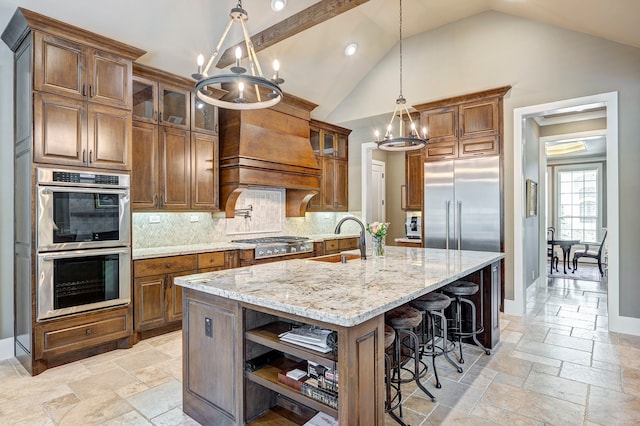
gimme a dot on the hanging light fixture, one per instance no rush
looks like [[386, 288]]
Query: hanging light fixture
[[247, 90], [401, 142]]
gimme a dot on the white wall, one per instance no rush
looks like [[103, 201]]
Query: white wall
[[542, 64]]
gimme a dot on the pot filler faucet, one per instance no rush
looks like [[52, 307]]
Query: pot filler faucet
[[361, 243]]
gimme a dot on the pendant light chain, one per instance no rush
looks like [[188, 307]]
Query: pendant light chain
[[401, 49]]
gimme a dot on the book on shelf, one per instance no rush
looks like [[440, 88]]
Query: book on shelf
[[309, 337], [326, 377], [322, 419], [310, 388]]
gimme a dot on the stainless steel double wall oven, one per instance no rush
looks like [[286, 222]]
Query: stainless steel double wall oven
[[83, 241]]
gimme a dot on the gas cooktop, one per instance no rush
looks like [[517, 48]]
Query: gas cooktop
[[278, 246]]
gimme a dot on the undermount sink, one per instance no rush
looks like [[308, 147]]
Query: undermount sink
[[335, 258]]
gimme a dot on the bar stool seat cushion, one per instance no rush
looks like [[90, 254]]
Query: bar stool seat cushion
[[389, 336], [403, 317], [431, 302], [462, 288]]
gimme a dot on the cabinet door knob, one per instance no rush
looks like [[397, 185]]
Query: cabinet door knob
[[168, 265], [87, 331]]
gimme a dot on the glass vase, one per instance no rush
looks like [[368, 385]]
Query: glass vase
[[378, 246]]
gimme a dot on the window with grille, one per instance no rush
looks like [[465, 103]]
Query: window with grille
[[579, 192]]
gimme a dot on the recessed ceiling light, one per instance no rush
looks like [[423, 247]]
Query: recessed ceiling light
[[351, 49], [278, 5]]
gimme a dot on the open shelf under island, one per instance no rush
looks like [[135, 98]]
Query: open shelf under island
[[236, 315]]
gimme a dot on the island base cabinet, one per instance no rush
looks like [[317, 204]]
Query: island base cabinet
[[212, 365], [220, 334]]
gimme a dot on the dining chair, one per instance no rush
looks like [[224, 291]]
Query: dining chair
[[551, 252], [590, 253]]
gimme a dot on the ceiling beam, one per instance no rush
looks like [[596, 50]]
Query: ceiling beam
[[305, 19]]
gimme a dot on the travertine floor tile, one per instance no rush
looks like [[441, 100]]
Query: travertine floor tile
[[534, 405], [96, 410], [557, 387], [158, 400], [591, 375], [569, 342], [444, 415], [503, 417], [555, 352], [631, 381], [103, 382], [607, 407]]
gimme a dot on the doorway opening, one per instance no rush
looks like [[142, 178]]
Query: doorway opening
[[522, 117]]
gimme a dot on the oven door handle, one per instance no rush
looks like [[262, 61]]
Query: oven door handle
[[78, 253], [92, 190]]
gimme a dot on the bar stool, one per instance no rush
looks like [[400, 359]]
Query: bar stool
[[404, 319], [461, 329], [434, 327], [393, 395]]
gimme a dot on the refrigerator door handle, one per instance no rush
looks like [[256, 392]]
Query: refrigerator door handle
[[446, 226], [459, 222]]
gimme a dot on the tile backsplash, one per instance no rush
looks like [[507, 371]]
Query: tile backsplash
[[267, 217]]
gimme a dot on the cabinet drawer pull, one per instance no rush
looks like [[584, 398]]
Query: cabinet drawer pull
[[168, 265], [90, 156], [87, 331], [84, 155]]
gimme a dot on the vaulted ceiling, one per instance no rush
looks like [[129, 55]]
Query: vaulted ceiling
[[313, 61]]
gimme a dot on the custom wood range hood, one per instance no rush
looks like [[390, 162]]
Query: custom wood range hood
[[268, 148]]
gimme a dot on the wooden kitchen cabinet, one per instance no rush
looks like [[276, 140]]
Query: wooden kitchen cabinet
[[330, 143], [414, 182], [332, 246], [174, 169], [154, 291], [157, 300], [78, 71], [175, 146], [74, 133], [177, 168], [204, 172], [81, 104], [464, 126]]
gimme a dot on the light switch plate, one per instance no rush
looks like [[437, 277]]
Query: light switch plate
[[154, 218]]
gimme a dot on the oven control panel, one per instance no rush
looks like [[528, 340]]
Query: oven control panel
[[81, 178]]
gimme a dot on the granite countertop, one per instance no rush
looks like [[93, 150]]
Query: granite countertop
[[408, 240], [148, 253], [344, 294]]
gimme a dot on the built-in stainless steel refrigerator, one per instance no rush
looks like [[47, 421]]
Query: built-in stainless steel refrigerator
[[462, 204]]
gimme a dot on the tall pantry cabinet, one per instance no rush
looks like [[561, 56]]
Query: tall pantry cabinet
[[72, 108]]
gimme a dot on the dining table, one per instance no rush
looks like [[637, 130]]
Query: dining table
[[565, 245]]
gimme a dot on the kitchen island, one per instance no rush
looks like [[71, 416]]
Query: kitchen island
[[232, 316]]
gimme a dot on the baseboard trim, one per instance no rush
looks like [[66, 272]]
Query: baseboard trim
[[626, 325], [6, 348], [513, 308]]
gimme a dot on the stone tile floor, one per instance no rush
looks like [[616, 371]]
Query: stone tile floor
[[558, 365]]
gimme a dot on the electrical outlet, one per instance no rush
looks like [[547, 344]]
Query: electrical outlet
[[154, 218], [194, 218], [208, 327]]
